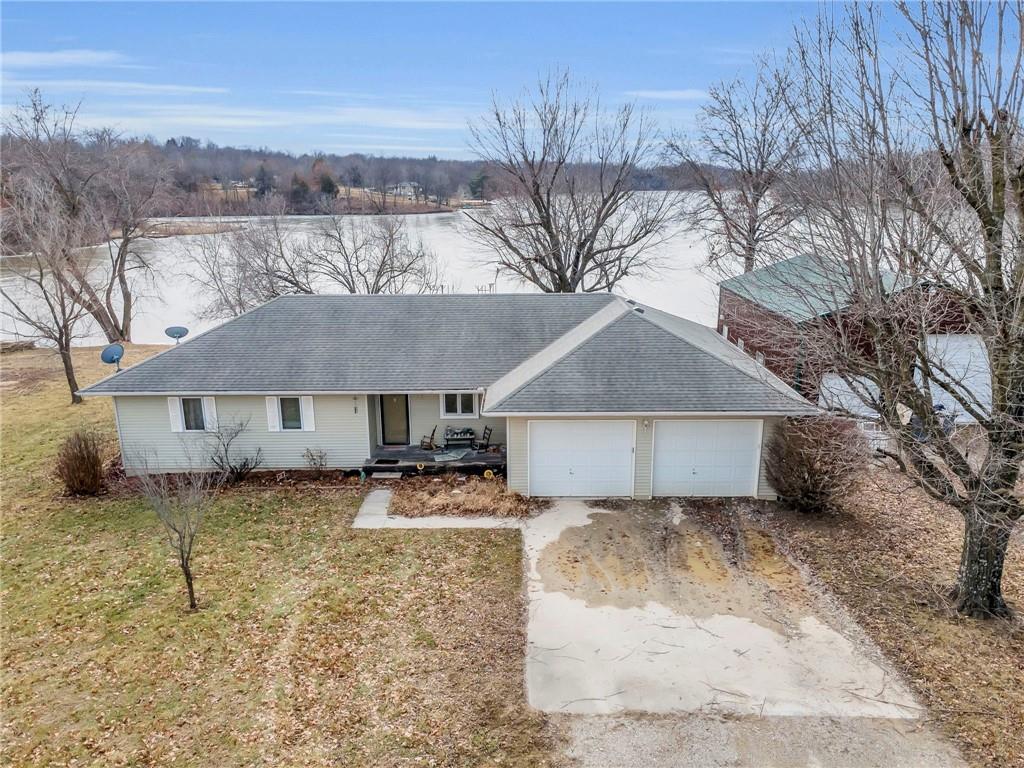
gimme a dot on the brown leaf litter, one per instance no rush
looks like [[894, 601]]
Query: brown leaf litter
[[891, 557], [460, 496]]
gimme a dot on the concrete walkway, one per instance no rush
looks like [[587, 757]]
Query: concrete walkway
[[374, 514]]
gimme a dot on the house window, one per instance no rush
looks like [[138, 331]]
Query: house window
[[291, 413], [192, 413], [458, 405]]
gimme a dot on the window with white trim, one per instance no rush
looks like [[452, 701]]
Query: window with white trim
[[291, 412], [193, 414], [458, 405]]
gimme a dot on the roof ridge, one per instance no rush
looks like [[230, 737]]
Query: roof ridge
[[771, 379], [535, 365]]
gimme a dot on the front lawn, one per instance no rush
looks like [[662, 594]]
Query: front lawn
[[315, 644]]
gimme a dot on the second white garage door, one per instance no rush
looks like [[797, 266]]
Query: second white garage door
[[581, 458], [706, 458]]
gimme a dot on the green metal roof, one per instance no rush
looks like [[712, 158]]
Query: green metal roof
[[800, 288]]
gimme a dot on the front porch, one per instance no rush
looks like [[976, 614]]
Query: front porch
[[411, 459], [400, 423]]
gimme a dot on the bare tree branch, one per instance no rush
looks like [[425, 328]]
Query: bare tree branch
[[568, 217]]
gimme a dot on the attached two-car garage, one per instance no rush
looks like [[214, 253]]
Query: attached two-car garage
[[687, 457]]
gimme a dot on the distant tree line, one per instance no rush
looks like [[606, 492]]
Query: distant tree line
[[317, 182]]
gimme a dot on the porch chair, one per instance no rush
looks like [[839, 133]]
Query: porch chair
[[484, 442], [427, 443]]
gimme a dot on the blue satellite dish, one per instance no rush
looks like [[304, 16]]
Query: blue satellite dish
[[112, 354], [176, 332]]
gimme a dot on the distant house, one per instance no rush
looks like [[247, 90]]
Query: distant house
[[762, 312], [407, 189], [572, 395]]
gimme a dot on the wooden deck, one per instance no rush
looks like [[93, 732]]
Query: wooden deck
[[408, 460]]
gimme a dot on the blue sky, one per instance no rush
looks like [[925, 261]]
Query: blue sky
[[394, 79]]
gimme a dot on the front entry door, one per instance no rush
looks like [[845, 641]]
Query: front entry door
[[394, 419]]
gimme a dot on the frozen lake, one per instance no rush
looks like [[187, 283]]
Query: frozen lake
[[172, 299]]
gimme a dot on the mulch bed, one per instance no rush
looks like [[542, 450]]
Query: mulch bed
[[460, 496], [891, 556]]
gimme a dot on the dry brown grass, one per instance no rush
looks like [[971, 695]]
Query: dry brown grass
[[177, 228], [460, 496], [891, 557], [315, 644]]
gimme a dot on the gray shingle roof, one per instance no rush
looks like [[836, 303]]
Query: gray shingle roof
[[654, 362], [346, 343], [647, 361]]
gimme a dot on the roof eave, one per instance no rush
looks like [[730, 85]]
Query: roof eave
[[809, 411]]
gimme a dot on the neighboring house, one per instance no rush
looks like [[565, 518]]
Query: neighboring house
[[762, 312], [406, 189], [590, 394]]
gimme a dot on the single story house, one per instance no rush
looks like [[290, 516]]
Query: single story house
[[590, 394]]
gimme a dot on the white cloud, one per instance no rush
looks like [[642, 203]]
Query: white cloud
[[683, 94], [208, 117], [71, 57], [111, 87], [417, 149]]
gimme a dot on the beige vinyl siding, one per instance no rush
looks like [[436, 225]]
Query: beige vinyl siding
[[764, 488], [518, 454], [425, 414], [147, 440], [373, 419], [644, 454], [517, 457]]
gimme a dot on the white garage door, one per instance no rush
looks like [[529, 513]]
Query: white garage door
[[706, 458], [581, 458]]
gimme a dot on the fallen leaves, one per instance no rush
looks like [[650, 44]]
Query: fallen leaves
[[459, 496], [890, 557], [315, 644]]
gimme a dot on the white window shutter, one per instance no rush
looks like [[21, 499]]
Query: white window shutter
[[273, 415], [210, 413], [174, 411], [308, 424]]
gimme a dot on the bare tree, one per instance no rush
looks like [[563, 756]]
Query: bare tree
[[133, 185], [569, 218], [234, 468], [373, 256], [104, 186], [41, 304], [180, 500], [381, 175], [268, 258], [747, 140], [248, 266], [916, 200]]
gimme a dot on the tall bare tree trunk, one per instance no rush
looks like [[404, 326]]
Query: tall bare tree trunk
[[187, 571], [978, 592], [69, 372]]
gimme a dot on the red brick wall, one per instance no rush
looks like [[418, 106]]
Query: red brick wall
[[760, 331]]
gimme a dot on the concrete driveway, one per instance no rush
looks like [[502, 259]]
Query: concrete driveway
[[656, 631]]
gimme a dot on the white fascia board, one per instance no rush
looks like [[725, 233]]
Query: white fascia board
[[278, 392], [530, 368], [642, 414]]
